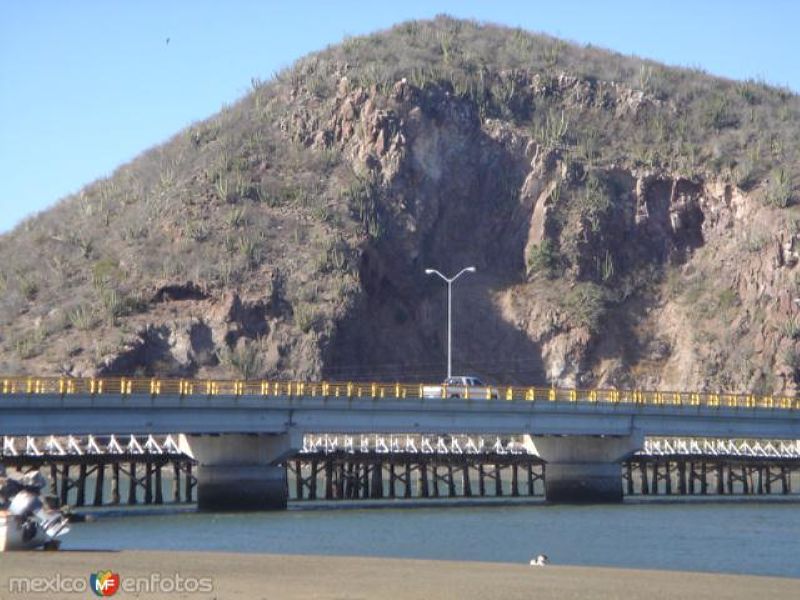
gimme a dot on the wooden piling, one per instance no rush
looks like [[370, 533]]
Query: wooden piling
[[530, 480], [80, 499], [312, 485], [355, 481], [365, 490], [481, 481], [668, 478], [298, 480], [189, 484], [176, 482], [53, 479], [643, 478], [423, 480], [115, 483], [344, 481], [514, 479], [349, 484], [65, 484], [148, 482], [360, 472], [99, 483], [498, 481], [451, 482], [358, 482], [328, 479], [682, 477], [377, 480], [466, 484], [392, 482], [703, 479], [629, 473], [341, 483], [132, 483], [654, 484], [366, 475], [159, 489]]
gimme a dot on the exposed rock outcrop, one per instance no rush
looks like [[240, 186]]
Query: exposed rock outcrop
[[289, 237]]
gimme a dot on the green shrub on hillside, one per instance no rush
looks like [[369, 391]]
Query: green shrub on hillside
[[791, 329], [29, 287], [718, 113], [779, 191], [82, 318], [544, 259], [246, 358], [585, 305], [595, 202], [304, 316]]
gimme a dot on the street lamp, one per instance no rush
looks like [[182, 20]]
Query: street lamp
[[450, 281]]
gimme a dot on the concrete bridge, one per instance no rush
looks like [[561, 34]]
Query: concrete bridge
[[240, 431]]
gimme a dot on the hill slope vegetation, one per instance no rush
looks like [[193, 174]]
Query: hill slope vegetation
[[632, 225]]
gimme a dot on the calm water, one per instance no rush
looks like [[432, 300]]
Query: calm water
[[745, 537]]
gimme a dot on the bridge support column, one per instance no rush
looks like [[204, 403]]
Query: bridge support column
[[238, 471], [582, 468]]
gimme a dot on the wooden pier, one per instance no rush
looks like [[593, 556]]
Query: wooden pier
[[112, 479], [344, 476], [368, 476], [696, 475], [82, 473]]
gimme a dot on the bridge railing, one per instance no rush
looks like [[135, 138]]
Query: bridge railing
[[155, 387]]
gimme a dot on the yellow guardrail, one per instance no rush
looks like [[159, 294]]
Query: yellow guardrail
[[15, 386]]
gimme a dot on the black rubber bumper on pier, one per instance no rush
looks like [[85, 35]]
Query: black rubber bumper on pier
[[241, 488], [583, 483]]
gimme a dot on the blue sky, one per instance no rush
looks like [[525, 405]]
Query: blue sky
[[87, 85]]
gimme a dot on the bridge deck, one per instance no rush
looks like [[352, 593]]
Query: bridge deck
[[103, 406]]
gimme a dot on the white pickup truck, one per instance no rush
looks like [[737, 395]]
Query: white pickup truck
[[462, 386]]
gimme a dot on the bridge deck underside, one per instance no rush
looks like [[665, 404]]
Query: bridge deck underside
[[61, 415]]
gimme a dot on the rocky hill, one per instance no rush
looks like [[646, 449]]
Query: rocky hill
[[631, 225]]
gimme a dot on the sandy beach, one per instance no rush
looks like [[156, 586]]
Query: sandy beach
[[254, 576]]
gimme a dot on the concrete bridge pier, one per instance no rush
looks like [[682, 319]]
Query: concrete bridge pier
[[584, 468], [238, 471]]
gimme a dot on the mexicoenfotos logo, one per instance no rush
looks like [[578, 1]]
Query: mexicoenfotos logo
[[107, 583], [104, 583]]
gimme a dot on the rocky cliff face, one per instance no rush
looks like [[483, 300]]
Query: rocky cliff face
[[590, 272], [651, 278]]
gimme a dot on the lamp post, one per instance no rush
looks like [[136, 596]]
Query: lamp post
[[449, 281]]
